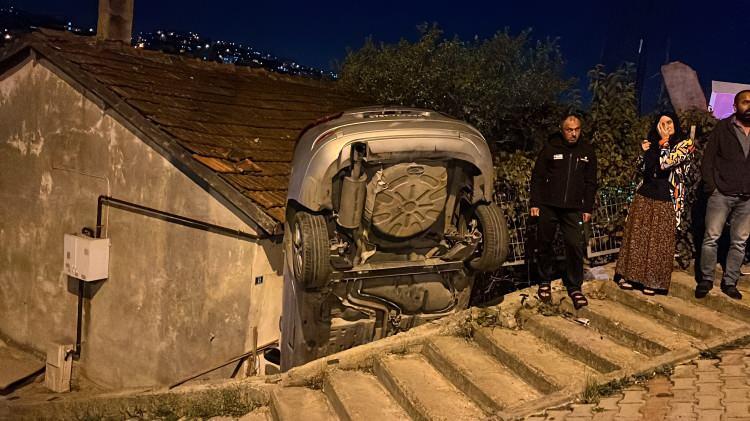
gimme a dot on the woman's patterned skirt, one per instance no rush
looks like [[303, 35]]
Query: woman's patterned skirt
[[648, 245]]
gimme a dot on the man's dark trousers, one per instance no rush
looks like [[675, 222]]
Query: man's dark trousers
[[571, 225]]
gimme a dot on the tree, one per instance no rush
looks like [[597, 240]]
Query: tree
[[616, 130], [510, 87]]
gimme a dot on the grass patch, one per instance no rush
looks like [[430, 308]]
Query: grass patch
[[551, 309], [316, 382], [476, 318], [709, 354], [465, 329], [231, 401], [591, 391]]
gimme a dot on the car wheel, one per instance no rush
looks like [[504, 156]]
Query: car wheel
[[310, 250], [493, 249]]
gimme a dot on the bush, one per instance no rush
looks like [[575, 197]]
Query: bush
[[509, 86]]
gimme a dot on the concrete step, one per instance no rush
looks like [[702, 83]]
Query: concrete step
[[540, 364], [423, 391], [696, 320], [16, 365], [630, 328], [583, 343], [356, 395], [477, 374], [300, 403], [260, 414], [683, 286]]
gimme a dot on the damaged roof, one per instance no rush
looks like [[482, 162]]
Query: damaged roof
[[231, 129]]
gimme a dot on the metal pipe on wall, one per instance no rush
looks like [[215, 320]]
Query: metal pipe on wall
[[172, 218]]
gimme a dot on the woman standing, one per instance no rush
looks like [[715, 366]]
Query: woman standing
[[648, 246]]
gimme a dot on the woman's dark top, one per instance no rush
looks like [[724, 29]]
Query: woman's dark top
[[656, 183]]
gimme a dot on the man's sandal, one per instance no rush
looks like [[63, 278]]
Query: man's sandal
[[544, 292], [579, 300]]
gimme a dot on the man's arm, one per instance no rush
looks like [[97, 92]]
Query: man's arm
[[538, 177], [707, 165]]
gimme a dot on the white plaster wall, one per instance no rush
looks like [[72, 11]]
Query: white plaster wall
[[177, 300]]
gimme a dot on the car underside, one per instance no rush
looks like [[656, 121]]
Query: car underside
[[389, 220]]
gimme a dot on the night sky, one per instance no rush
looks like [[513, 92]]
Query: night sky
[[712, 37]]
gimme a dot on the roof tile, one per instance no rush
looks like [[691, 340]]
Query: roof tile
[[239, 122]]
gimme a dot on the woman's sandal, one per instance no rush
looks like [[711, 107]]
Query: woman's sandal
[[623, 284], [544, 292], [579, 300]]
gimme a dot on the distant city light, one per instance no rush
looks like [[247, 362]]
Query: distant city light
[[190, 44]]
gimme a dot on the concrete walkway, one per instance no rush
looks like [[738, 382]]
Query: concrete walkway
[[702, 390]]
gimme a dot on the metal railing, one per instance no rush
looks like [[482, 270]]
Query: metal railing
[[603, 234]]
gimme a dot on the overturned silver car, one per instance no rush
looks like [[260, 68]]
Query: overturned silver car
[[389, 218]]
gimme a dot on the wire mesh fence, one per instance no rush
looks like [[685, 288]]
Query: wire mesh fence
[[604, 233]]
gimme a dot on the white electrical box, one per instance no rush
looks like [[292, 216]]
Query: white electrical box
[[86, 258]]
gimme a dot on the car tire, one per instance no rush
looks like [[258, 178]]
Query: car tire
[[495, 237], [310, 250]]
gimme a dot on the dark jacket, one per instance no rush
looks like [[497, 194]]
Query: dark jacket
[[724, 165], [564, 175], [656, 183]]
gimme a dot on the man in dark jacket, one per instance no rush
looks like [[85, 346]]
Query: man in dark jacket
[[563, 187], [726, 175]]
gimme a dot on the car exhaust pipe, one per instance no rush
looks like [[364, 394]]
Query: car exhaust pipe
[[353, 191], [352, 201]]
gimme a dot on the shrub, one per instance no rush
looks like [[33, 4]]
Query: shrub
[[508, 86]]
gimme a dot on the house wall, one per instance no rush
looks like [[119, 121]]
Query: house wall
[[177, 300]]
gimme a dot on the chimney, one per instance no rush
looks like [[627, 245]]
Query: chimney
[[115, 21]]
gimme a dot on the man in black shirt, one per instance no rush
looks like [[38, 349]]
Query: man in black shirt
[[726, 176], [563, 188]]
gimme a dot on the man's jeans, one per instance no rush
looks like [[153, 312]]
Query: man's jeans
[[719, 208]]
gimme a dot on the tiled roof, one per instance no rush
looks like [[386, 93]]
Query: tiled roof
[[232, 129]]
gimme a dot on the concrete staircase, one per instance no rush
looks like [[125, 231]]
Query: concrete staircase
[[499, 373], [525, 358]]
